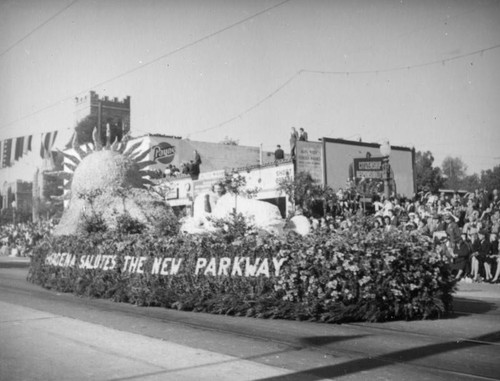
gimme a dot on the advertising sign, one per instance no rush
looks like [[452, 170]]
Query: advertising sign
[[309, 156], [339, 162], [163, 153], [368, 168]]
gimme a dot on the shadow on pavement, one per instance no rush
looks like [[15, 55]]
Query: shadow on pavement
[[467, 306], [403, 356], [325, 340], [14, 264]]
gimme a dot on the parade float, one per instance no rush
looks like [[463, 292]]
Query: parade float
[[119, 240]]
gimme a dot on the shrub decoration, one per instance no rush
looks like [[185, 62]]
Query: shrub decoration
[[356, 275]]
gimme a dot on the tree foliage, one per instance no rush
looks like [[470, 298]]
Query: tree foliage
[[428, 177], [490, 179], [306, 193], [455, 171], [230, 141], [452, 175], [86, 126], [84, 130], [470, 182]]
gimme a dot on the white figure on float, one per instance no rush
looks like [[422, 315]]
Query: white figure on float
[[220, 205]]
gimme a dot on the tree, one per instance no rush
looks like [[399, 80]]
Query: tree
[[307, 193], [454, 169], [84, 130], [86, 126], [490, 179], [230, 141], [428, 178], [235, 184], [470, 183]]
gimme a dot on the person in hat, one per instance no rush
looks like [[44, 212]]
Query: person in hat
[[410, 227], [303, 135], [378, 223], [461, 263], [422, 227], [452, 229], [388, 226], [394, 219], [442, 245], [481, 248], [435, 224], [495, 221], [497, 258], [471, 221], [279, 154], [491, 258]]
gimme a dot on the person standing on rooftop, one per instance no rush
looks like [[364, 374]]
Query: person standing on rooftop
[[279, 154], [294, 135], [303, 135]]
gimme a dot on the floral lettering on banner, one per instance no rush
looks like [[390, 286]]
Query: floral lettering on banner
[[225, 266]]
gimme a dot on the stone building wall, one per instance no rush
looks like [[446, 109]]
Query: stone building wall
[[114, 111]]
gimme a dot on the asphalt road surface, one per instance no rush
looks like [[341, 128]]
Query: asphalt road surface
[[45, 335]]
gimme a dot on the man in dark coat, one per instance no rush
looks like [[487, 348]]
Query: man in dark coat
[[452, 229], [303, 135], [481, 249], [461, 263], [279, 154]]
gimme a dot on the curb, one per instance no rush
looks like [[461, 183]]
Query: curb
[[14, 262]]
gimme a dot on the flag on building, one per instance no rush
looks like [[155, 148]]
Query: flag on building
[[13, 149], [27, 144], [19, 146], [47, 142], [7, 153]]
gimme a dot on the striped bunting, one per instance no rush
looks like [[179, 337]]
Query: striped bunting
[[47, 142], [13, 149]]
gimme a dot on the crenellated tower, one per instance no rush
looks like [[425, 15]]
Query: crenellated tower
[[104, 111]]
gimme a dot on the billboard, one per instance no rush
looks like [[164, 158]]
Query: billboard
[[339, 156], [309, 158]]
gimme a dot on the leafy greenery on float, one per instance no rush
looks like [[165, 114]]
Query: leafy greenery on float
[[355, 275]]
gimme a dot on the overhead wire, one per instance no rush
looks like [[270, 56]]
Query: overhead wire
[[346, 73], [405, 67], [270, 95], [37, 28], [260, 102], [142, 66]]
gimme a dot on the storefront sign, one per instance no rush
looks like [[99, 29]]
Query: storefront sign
[[205, 186], [267, 179]]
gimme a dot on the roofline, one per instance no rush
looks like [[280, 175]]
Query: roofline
[[194, 141], [363, 144]]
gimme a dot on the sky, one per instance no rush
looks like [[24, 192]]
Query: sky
[[419, 73]]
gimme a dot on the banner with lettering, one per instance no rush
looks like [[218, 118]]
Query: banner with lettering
[[368, 168]]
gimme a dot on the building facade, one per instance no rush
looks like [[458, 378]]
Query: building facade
[[103, 112]]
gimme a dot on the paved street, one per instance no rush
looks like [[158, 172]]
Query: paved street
[[46, 335]]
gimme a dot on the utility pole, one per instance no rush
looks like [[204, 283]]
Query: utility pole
[[99, 117]]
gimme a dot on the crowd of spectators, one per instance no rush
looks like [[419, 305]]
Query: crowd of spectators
[[18, 240], [191, 168], [465, 226]]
